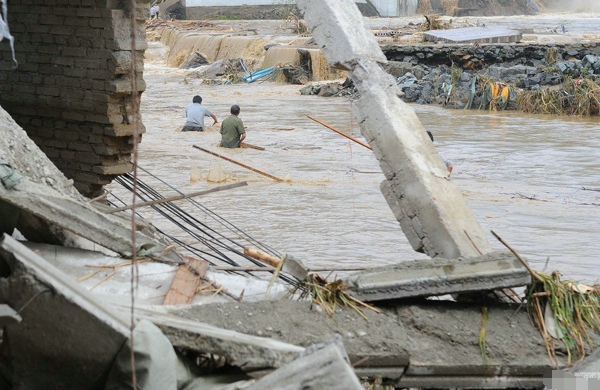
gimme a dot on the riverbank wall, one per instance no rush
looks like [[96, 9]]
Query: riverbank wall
[[492, 76]]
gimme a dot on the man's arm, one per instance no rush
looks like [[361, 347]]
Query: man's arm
[[214, 119], [243, 136]]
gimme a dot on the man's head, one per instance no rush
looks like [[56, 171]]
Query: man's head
[[197, 99], [235, 109], [430, 135]]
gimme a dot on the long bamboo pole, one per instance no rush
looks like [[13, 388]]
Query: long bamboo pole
[[178, 197], [239, 163], [339, 132]]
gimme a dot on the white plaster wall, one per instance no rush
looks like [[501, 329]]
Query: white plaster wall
[[408, 7], [387, 7], [392, 8]]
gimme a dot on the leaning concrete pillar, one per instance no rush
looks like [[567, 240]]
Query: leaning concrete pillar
[[430, 208]]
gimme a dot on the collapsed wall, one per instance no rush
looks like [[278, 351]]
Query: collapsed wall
[[72, 90]]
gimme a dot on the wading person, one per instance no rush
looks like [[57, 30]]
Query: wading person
[[195, 113], [446, 161], [232, 129], [154, 11]]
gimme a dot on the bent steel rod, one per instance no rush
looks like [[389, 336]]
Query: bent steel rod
[[339, 132], [239, 163], [178, 197]]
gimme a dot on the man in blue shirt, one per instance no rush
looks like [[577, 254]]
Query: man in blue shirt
[[195, 114]]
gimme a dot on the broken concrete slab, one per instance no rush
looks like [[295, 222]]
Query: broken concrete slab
[[444, 344], [492, 271], [92, 271], [8, 315], [421, 342], [80, 218], [27, 159], [341, 47], [321, 366], [68, 336], [430, 208], [485, 34], [156, 364], [379, 343], [242, 350], [50, 204]]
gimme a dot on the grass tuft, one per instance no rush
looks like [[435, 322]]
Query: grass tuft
[[330, 295], [575, 309]]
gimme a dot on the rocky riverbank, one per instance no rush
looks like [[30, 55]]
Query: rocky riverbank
[[490, 76]]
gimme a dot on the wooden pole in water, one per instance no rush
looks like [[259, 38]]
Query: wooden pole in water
[[178, 197], [339, 132], [247, 145], [239, 163]]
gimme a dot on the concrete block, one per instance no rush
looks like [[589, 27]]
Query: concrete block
[[66, 338], [340, 31], [443, 339], [79, 217], [322, 366], [378, 343], [430, 208], [494, 270], [242, 350], [467, 382]]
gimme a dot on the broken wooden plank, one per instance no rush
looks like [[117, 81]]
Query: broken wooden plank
[[186, 281], [430, 208], [250, 146]]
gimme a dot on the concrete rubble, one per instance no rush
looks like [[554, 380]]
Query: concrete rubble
[[438, 277], [58, 320], [431, 210]]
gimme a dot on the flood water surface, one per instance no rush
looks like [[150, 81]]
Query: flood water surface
[[534, 180]]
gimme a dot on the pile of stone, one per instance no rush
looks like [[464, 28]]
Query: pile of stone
[[456, 87]]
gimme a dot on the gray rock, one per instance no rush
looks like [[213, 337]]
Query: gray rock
[[193, 60]]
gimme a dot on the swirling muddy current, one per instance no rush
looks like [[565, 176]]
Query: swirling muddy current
[[533, 179]]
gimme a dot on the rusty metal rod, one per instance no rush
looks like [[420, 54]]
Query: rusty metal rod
[[239, 163], [339, 132], [178, 197]]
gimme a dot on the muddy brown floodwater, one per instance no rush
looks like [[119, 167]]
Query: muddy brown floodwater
[[530, 178]]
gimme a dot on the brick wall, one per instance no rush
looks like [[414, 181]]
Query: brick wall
[[72, 90]]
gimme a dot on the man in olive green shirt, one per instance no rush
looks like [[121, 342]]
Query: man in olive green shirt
[[232, 129]]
